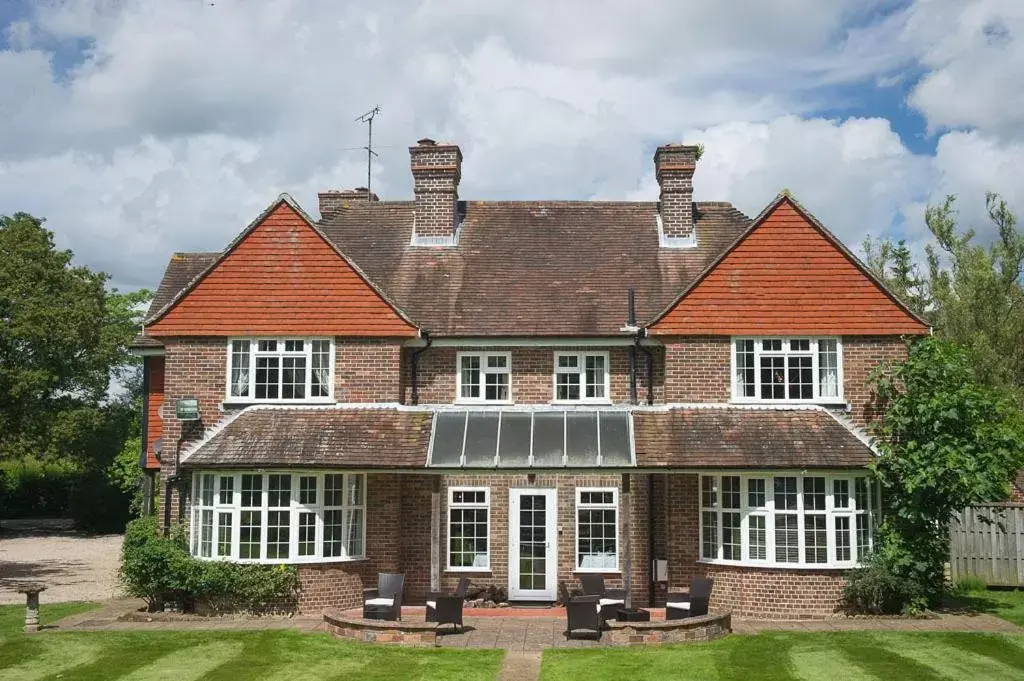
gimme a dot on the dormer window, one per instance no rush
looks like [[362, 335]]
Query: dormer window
[[280, 369], [798, 369]]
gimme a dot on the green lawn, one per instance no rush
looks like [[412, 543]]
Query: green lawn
[[803, 657], [216, 656], [1005, 603]]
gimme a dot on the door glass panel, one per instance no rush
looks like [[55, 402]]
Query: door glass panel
[[532, 542]]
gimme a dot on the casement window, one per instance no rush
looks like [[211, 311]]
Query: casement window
[[279, 517], [469, 511], [787, 520], [484, 377], [581, 377], [280, 369], [787, 369], [597, 529]]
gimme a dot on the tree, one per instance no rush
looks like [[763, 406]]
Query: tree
[[947, 441], [970, 293]]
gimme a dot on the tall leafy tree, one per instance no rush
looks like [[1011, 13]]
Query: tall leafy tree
[[970, 292]]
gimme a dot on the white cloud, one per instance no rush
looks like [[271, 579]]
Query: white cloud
[[181, 119]]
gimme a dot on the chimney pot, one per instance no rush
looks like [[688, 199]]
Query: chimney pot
[[426, 142]]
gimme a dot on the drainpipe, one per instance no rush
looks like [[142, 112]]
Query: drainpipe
[[651, 584], [631, 323], [414, 363], [650, 367]]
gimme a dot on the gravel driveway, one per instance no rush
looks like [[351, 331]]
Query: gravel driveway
[[74, 566]]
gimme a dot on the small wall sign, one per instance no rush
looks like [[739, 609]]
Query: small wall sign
[[187, 409]]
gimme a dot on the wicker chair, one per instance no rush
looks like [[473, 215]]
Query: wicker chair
[[384, 602], [582, 614], [692, 603], [609, 600], [447, 608]]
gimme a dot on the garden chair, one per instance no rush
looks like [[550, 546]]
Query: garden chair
[[692, 603], [447, 608], [582, 613], [384, 602], [609, 600]]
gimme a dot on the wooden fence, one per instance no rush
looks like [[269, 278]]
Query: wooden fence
[[988, 542]]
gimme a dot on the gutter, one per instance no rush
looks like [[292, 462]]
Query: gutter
[[414, 363]]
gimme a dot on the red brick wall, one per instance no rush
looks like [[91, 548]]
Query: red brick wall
[[532, 374], [697, 368], [367, 370], [861, 354]]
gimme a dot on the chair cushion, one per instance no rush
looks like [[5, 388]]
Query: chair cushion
[[432, 604], [608, 601], [380, 601], [681, 605]]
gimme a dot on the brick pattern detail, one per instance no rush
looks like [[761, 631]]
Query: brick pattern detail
[[674, 165], [282, 278], [787, 277], [436, 171], [405, 634], [775, 593], [154, 403], [532, 374], [367, 370], [697, 369], [861, 355], [688, 630]]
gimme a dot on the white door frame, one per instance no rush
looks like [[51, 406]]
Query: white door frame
[[549, 593]]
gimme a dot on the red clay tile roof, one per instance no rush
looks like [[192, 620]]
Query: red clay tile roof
[[318, 438], [181, 270], [723, 437], [530, 267]]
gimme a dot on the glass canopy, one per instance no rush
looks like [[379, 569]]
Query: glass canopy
[[532, 439]]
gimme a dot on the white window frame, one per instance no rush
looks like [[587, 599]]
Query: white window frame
[[452, 504], [614, 506], [581, 372], [295, 508], [307, 353], [484, 371], [786, 352], [769, 514]]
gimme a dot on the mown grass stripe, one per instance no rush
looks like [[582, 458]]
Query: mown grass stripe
[[187, 664], [122, 653], [48, 656], [862, 652], [765, 657], [821, 664], [963, 656]]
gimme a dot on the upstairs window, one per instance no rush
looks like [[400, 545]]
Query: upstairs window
[[581, 377], [787, 370], [280, 369], [484, 377]]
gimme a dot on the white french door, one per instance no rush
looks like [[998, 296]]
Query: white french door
[[532, 545]]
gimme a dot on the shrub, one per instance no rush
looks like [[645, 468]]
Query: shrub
[[160, 569], [877, 589], [34, 488]]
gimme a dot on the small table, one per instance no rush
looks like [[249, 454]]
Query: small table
[[633, 615]]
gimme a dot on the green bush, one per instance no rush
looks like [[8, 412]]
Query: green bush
[[160, 570], [33, 488], [878, 589]]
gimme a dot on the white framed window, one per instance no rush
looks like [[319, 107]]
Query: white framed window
[[804, 521], [581, 377], [484, 377], [278, 516], [804, 369], [469, 511], [597, 529], [280, 369]]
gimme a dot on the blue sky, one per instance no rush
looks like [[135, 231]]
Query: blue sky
[[140, 127]]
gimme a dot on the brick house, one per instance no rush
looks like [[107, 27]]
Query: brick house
[[521, 391]]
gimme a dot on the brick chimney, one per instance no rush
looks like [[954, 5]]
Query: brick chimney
[[436, 171], [334, 200], [674, 165]]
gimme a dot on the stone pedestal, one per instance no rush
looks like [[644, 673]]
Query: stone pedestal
[[31, 592]]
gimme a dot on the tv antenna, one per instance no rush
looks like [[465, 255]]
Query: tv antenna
[[370, 153]]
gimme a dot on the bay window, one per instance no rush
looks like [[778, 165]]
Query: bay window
[[787, 520], [787, 369], [581, 377], [279, 517], [280, 369], [468, 528], [484, 377], [597, 529]]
